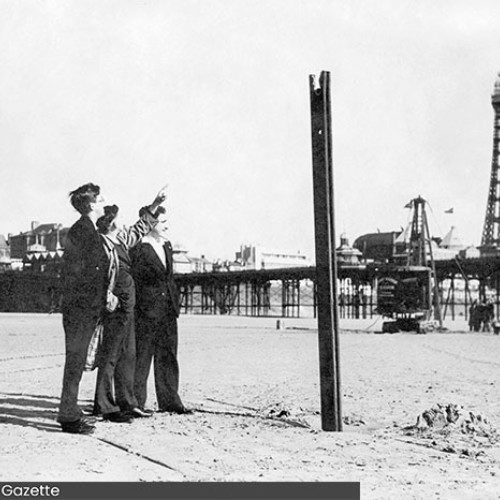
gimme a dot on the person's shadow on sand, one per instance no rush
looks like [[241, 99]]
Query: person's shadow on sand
[[29, 410]]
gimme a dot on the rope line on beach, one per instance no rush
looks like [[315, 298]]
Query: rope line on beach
[[23, 394], [283, 421], [33, 396], [32, 369], [15, 358], [251, 415], [140, 455], [416, 443], [433, 448], [231, 413], [232, 404], [256, 414]]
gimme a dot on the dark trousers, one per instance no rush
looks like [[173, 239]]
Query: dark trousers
[[115, 375], [78, 329], [156, 338]]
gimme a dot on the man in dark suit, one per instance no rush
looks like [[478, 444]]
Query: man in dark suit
[[157, 310], [85, 282]]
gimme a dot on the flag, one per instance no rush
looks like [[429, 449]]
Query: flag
[[449, 211], [409, 204]]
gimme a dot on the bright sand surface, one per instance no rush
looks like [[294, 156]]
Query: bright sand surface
[[256, 394]]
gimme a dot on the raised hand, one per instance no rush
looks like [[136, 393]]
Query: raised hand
[[161, 196]]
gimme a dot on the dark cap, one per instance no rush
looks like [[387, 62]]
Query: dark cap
[[104, 223]]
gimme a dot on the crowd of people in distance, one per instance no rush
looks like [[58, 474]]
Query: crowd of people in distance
[[121, 279], [481, 316]]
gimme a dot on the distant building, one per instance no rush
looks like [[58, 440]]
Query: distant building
[[347, 256], [41, 250], [470, 252], [185, 263], [41, 238], [200, 264], [378, 247], [43, 261], [255, 257], [440, 253], [393, 246], [5, 260], [227, 265], [182, 263]]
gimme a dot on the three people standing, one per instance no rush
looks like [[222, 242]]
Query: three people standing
[[97, 285]]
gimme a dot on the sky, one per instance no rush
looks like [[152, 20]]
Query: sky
[[212, 97]]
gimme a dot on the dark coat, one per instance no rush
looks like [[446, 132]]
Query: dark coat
[[156, 291], [119, 258], [85, 269]]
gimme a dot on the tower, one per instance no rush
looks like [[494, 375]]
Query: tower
[[490, 240]]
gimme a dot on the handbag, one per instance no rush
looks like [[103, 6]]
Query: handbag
[[112, 302], [92, 360]]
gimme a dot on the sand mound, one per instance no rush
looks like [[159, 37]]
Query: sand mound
[[453, 429]]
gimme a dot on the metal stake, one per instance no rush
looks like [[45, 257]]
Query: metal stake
[[326, 263]]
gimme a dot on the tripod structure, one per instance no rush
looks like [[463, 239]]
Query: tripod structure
[[419, 236], [420, 242], [407, 291]]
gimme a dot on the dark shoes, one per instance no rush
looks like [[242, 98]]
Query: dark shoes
[[118, 417], [138, 413], [181, 410], [82, 426]]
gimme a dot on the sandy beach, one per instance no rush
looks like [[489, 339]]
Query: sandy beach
[[255, 391]]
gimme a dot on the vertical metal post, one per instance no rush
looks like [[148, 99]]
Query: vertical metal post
[[453, 297], [497, 294], [372, 291], [466, 301], [298, 298], [326, 262], [246, 298], [437, 296], [284, 285], [315, 298], [445, 310]]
